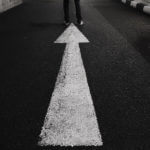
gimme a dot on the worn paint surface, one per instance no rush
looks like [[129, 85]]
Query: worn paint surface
[[71, 118]]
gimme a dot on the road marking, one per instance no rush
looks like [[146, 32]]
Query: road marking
[[71, 118], [133, 4]]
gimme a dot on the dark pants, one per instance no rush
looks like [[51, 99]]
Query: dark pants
[[66, 10]]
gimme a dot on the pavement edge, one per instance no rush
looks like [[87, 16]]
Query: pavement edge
[[138, 5]]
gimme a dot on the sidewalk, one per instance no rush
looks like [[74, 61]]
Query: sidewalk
[[8, 4], [141, 5]]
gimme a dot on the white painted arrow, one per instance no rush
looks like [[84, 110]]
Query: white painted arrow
[[71, 119]]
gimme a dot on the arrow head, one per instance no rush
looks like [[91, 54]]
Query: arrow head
[[72, 35]]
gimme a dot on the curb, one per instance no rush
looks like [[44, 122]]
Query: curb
[[138, 5]]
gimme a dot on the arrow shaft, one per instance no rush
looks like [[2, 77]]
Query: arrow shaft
[[70, 62], [71, 119]]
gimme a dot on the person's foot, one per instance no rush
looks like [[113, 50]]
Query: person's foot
[[80, 22], [66, 23]]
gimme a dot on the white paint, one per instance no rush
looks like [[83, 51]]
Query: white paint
[[123, 1], [146, 9], [146, 2], [71, 118], [133, 4]]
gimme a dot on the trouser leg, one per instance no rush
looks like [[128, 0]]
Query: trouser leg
[[66, 10], [78, 10]]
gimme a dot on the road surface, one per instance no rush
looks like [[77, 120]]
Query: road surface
[[116, 62]]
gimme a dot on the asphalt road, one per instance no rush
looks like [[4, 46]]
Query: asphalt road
[[117, 64]]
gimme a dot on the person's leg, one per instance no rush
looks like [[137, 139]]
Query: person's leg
[[66, 10], [78, 10]]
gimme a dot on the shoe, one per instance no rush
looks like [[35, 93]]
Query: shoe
[[66, 23], [81, 23]]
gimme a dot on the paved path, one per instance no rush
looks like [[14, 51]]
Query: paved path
[[115, 68]]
